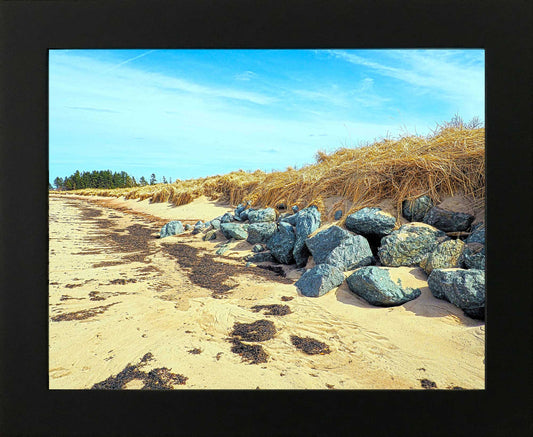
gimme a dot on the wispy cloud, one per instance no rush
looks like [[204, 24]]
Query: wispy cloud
[[81, 108], [247, 75], [128, 60]]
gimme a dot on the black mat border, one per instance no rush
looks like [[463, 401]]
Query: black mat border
[[29, 29]]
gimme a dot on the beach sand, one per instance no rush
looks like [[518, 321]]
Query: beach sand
[[119, 296]]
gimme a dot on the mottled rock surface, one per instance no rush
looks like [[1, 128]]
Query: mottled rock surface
[[322, 243], [446, 255], [448, 221], [477, 235], [473, 256], [371, 221], [259, 257], [409, 245], [281, 244], [375, 285], [233, 230], [463, 288], [262, 215], [319, 280], [307, 221], [416, 209], [351, 253], [261, 232], [174, 227]]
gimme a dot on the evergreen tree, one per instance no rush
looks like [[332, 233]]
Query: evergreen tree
[[165, 180], [58, 182], [50, 186], [142, 181], [152, 179]]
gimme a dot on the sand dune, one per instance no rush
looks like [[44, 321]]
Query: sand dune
[[117, 293]]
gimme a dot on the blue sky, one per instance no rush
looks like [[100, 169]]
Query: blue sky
[[192, 113]]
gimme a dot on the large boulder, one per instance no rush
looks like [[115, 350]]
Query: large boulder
[[233, 230], [446, 255], [290, 219], [371, 221], [473, 256], [322, 243], [319, 280], [375, 285], [174, 227], [477, 235], [262, 215], [307, 221], [416, 209], [281, 244], [463, 288], [448, 221], [260, 232], [351, 253], [409, 245], [216, 224]]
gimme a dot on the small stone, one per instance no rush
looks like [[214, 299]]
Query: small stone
[[338, 214], [171, 228], [210, 235]]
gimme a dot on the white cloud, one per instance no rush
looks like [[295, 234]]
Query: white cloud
[[247, 75]]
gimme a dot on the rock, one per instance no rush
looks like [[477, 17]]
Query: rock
[[199, 223], [463, 288], [319, 280], [371, 221], [171, 228], [262, 215], [198, 227], [409, 245], [473, 256], [216, 224], [188, 227], [258, 248], [281, 244], [321, 244], [207, 224], [351, 253], [446, 255], [261, 232], [237, 218], [477, 235], [233, 230], [259, 257], [226, 218], [307, 221], [210, 235], [240, 208], [283, 215], [248, 264], [244, 214], [338, 215], [375, 285], [281, 207], [290, 219], [448, 221], [416, 209], [295, 209]]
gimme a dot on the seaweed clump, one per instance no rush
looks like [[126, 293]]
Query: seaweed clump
[[260, 330], [273, 310], [253, 353], [310, 345]]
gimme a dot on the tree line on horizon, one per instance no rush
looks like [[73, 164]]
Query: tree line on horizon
[[102, 179]]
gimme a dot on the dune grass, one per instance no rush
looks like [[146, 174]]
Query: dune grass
[[449, 161]]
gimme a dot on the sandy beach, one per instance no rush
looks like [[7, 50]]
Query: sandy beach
[[119, 296]]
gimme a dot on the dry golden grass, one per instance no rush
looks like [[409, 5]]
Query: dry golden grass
[[449, 161]]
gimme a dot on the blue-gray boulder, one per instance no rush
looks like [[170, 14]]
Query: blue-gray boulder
[[216, 224], [463, 288], [295, 209], [199, 225], [375, 285], [477, 235], [233, 230], [237, 218], [262, 215], [171, 228], [351, 253], [290, 219], [322, 243], [226, 218], [409, 245], [281, 244], [307, 221], [371, 221], [260, 232], [319, 280], [448, 221], [415, 210], [240, 208], [473, 256], [338, 215], [259, 257], [210, 235], [188, 227]]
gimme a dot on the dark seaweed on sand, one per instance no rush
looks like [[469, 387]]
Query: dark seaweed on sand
[[82, 315], [260, 330], [273, 310], [310, 345], [427, 384], [254, 353]]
